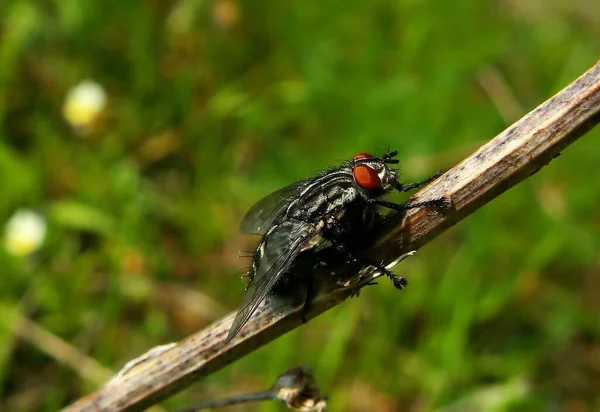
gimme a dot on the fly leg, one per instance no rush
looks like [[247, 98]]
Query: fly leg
[[398, 281], [439, 204], [405, 188]]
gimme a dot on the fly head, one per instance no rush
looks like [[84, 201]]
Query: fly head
[[373, 175]]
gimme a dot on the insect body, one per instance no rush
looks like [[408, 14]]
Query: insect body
[[335, 208]]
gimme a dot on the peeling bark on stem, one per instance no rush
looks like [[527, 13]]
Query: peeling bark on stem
[[516, 153]]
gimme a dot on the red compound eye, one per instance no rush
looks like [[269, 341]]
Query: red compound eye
[[367, 178], [363, 155]]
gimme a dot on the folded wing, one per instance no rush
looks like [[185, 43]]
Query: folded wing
[[260, 217], [280, 248]]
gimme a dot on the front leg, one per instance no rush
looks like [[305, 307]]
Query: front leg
[[439, 204], [405, 188]]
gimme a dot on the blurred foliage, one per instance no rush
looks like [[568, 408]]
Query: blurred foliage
[[215, 103]]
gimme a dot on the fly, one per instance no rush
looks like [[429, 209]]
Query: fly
[[336, 208]]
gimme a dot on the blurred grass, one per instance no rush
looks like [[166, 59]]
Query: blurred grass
[[213, 104]]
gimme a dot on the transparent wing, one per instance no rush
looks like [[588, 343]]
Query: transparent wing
[[265, 211], [281, 248]]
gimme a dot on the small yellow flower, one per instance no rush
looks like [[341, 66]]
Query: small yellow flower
[[24, 232], [226, 13], [84, 105]]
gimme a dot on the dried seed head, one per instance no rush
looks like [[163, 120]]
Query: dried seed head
[[298, 389]]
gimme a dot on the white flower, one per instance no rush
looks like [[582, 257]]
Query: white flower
[[24, 232], [84, 105]]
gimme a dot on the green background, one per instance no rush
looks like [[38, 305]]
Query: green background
[[214, 104]]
